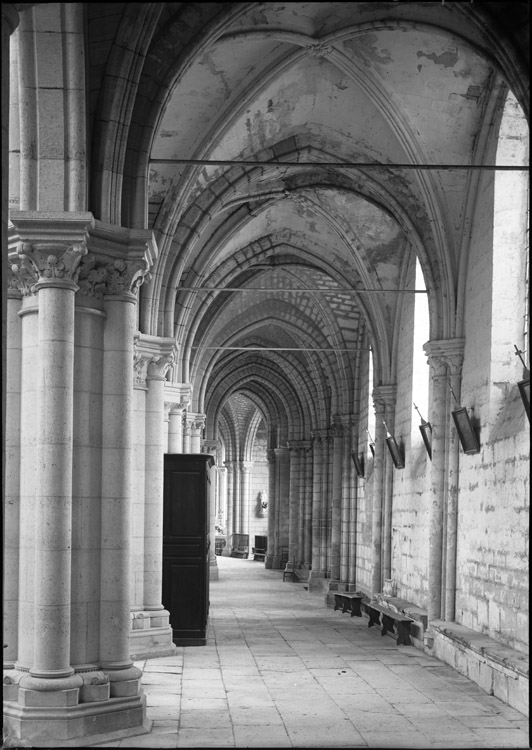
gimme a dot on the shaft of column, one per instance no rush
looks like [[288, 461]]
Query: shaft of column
[[186, 434], [86, 486], [245, 469], [336, 501], [272, 493], [437, 488], [346, 495], [317, 500], [378, 488], [28, 481], [388, 497], [453, 457], [307, 557], [326, 509], [53, 537], [154, 474], [116, 481], [13, 374], [229, 515], [293, 509], [175, 430]]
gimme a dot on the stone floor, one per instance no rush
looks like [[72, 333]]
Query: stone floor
[[281, 670]]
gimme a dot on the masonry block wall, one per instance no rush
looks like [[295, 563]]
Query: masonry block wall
[[492, 579]]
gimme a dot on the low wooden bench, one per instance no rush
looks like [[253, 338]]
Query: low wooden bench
[[348, 602], [387, 618]]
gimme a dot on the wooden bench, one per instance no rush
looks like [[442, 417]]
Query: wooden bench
[[348, 602], [387, 618]]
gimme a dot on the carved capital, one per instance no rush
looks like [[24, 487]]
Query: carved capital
[[50, 264], [126, 276], [159, 366], [141, 361], [384, 397], [92, 279], [445, 353], [19, 280]]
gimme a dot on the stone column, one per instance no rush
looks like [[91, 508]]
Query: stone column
[[438, 413], [326, 504], [387, 394], [13, 376], [229, 518], [222, 496], [336, 499], [86, 484], [282, 495], [175, 428], [187, 424], [309, 460], [211, 447], [293, 503], [445, 360], [346, 496], [117, 442], [378, 489], [454, 360], [196, 427], [317, 500], [273, 541], [153, 505], [245, 470], [57, 268]]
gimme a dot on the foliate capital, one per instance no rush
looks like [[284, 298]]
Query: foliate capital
[[97, 278], [158, 367], [48, 264]]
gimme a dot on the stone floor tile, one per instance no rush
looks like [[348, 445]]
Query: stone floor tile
[[264, 716], [396, 740], [503, 737], [199, 718], [206, 737], [151, 741], [217, 704], [268, 736]]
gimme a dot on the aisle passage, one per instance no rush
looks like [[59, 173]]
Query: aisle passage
[[281, 670]]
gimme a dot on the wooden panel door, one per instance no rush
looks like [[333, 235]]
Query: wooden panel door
[[186, 545]]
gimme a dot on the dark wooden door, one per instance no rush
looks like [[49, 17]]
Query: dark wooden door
[[186, 545]]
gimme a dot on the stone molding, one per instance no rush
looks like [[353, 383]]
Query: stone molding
[[153, 356], [384, 397], [48, 247], [445, 353]]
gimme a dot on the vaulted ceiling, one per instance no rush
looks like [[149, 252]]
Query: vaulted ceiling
[[233, 131]]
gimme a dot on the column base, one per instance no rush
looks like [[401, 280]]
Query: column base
[[151, 634], [268, 562], [316, 580], [56, 727]]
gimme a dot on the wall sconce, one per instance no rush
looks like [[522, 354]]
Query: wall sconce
[[371, 444], [359, 464], [465, 430], [524, 385], [395, 451], [425, 429], [466, 433]]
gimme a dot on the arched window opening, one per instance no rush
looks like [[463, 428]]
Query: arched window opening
[[510, 312]]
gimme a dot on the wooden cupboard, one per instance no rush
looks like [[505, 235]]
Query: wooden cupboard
[[187, 487]]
